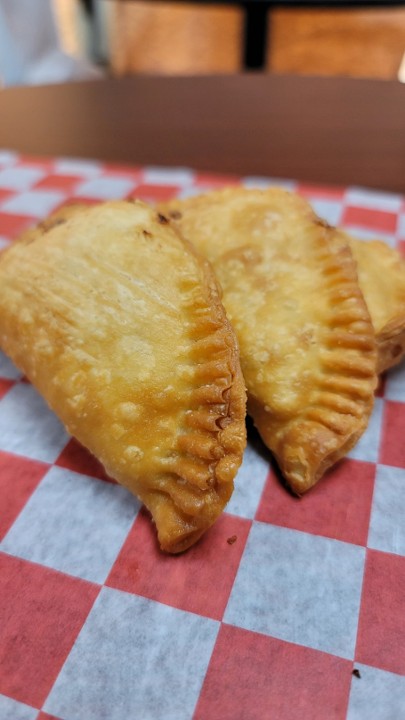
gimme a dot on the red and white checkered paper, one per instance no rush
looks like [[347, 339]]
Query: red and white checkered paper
[[270, 614]]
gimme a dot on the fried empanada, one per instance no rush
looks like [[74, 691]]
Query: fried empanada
[[118, 322], [307, 344], [381, 272]]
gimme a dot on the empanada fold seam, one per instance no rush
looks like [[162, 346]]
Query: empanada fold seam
[[334, 428]]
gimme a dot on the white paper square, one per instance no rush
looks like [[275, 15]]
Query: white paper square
[[329, 210], [168, 176], [297, 587], [28, 427], [7, 369], [4, 242], [191, 191], [373, 199], [105, 188], [73, 523], [13, 710], [129, 642], [249, 484], [367, 447], [376, 695], [262, 183], [401, 226], [37, 203], [20, 178], [8, 157], [73, 166], [387, 526], [395, 384]]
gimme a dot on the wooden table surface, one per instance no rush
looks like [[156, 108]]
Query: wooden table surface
[[325, 130]]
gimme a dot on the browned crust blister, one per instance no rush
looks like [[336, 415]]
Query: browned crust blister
[[119, 324], [307, 343]]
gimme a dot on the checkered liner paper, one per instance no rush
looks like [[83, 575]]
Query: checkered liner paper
[[287, 609]]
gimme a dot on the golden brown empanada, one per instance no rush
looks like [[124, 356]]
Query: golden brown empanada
[[306, 340], [119, 324], [381, 272]]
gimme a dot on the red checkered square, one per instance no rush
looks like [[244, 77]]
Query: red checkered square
[[154, 193], [199, 581], [78, 200], [12, 225], [75, 457], [5, 386], [321, 192], [376, 220], [392, 450], [5, 194], [338, 507], [208, 181], [45, 163], [135, 172], [381, 633], [42, 613], [45, 716], [279, 680], [18, 479], [66, 183]]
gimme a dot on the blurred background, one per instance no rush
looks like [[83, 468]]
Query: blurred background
[[55, 40]]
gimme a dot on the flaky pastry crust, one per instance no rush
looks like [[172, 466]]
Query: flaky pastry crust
[[307, 344], [119, 324]]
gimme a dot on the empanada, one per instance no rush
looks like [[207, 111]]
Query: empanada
[[307, 344], [119, 324], [381, 272]]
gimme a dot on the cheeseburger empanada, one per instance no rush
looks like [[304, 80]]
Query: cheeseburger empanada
[[381, 272], [119, 324], [307, 344]]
